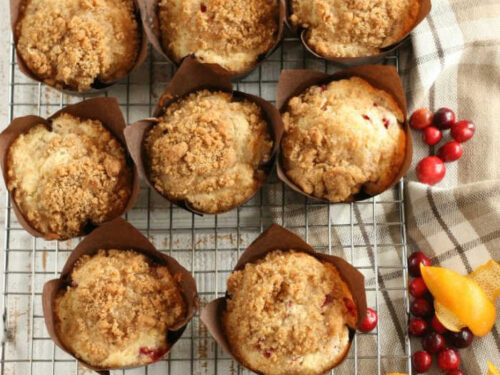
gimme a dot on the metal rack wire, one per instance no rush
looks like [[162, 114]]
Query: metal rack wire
[[370, 234]]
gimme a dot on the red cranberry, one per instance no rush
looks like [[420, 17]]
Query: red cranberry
[[417, 327], [448, 359], [418, 287], [462, 131], [421, 307], [203, 8], [455, 372], [421, 361], [433, 343], [370, 321], [461, 339], [432, 135], [421, 118], [450, 151], [444, 118], [414, 261], [437, 326], [431, 170]]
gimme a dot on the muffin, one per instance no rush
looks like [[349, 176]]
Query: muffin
[[343, 138], [232, 34], [69, 176], [288, 313], [72, 44], [117, 310], [208, 151], [353, 28]]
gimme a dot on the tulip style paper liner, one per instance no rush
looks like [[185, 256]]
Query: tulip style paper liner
[[151, 24], [295, 82], [425, 8], [105, 110], [193, 76], [119, 234], [277, 237], [16, 11]]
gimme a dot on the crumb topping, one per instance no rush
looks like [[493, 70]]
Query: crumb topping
[[209, 150], [118, 308], [341, 138], [288, 314], [66, 177], [352, 28], [232, 34], [71, 43]]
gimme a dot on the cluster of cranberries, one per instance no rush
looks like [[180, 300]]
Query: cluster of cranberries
[[426, 325], [431, 169]]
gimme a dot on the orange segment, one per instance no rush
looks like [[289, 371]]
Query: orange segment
[[492, 370], [447, 318], [462, 296], [488, 277]]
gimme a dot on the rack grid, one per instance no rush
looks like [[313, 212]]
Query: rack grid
[[370, 234]]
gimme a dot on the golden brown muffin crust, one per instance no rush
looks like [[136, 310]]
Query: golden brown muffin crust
[[209, 150], [352, 28], [288, 314], [63, 178], [232, 34], [71, 43], [341, 138], [118, 308]]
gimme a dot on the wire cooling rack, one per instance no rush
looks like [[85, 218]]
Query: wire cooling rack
[[369, 234]]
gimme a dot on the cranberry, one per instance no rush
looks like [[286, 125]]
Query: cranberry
[[433, 343], [421, 307], [461, 339], [417, 327], [432, 135], [418, 287], [437, 326], [414, 261], [448, 359], [462, 131], [431, 170], [450, 151], [370, 321], [203, 8], [421, 118], [421, 361], [153, 354], [455, 372], [444, 118]]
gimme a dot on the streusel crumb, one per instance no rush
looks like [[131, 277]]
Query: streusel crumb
[[118, 309], [68, 176], [288, 314], [352, 28], [71, 43], [209, 150], [342, 138], [232, 34]]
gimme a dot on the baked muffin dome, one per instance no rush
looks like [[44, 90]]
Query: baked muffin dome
[[209, 151], [352, 28], [73, 174], [288, 314], [118, 309], [342, 138], [232, 34], [71, 43]]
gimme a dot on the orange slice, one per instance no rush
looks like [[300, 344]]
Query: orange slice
[[492, 370], [447, 318], [488, 276]]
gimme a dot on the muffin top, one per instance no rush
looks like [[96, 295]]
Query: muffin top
[[117, 310], [71, 43], [209, 150], [232, 34], [288, 314], [352, 28], [68, 176], [341, 138]]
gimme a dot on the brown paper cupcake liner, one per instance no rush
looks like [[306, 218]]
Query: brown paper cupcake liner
[[386, 78], [277, 237], [97, 86], [119, 234], [193, 76], [425, 8], [106, 110], [151, 24]]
